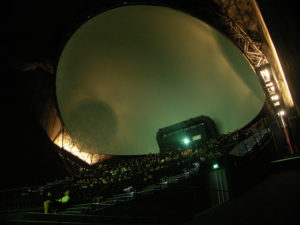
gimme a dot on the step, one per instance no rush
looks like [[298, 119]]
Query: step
[[51, 219], [70, 212], [42, 222], [84, 204], [78, 207]]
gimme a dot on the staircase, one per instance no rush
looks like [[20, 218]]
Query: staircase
[[99, 204], [247, 146], [76, 209]]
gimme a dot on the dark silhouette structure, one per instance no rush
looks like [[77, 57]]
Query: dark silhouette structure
[[187, 134]]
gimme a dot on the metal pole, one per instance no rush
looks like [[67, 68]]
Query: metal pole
[[62, 138], [286, 132]]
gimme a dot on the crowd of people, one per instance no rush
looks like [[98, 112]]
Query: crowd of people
[[113, 176]]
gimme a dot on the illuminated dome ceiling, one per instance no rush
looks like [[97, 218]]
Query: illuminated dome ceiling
[[129, 71]]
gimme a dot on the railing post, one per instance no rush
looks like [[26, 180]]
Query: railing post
[[291, 149]]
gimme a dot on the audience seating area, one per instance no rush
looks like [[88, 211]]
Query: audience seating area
[[109, 178]]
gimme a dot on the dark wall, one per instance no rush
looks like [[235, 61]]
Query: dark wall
[[28, 156]]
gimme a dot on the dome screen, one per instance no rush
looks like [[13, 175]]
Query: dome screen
[[129, 71]]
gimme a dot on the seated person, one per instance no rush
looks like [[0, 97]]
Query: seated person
[[48, 203], [63, 202]]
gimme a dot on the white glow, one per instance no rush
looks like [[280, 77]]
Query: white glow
[[196, 137], [275, 97], [281, 113], [270, 84], [265, 74], [271, 90], [276, 103], [186, 141]]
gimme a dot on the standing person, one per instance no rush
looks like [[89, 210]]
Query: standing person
[[48, 203]]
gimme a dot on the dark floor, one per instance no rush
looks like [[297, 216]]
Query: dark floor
[[276, 200]]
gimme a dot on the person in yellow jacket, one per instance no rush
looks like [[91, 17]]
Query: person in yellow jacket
[[48, 203], [65, 199]]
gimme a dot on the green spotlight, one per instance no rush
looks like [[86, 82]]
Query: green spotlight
[[216, 166], [186, 141]]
